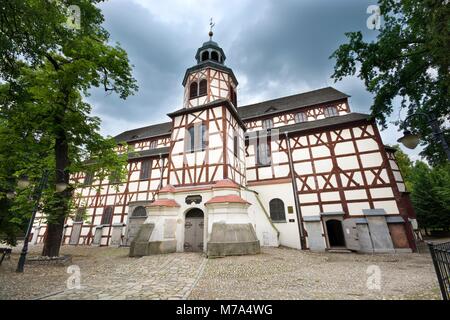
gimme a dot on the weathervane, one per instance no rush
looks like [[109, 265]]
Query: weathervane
[[211, 26]]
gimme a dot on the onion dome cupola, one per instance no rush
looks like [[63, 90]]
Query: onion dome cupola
[[209, 80]]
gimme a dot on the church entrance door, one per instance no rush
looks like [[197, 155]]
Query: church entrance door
[[193, 231]]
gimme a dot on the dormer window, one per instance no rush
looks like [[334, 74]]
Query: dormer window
[[331, 111], [300, 117]]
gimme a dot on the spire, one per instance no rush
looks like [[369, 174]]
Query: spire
[[211, 26]]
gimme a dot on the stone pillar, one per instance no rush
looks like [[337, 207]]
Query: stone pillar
[[116, 234], [97, 236]]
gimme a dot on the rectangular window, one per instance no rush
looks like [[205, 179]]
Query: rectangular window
[[196, 138], [300, 117], [331, 111], [153, 144], [263, 151], [107, 215], [145, 170], [88, 179], [236, 145], [267, 124]]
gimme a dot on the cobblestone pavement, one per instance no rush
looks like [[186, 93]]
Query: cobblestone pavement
[[156, 277], [276, 273], [283, 273]]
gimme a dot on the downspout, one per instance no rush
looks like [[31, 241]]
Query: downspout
[[297, 202]]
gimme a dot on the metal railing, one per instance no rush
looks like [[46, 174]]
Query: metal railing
[[440, 253]]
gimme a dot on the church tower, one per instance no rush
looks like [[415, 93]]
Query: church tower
[[207, 135], [209, 80]]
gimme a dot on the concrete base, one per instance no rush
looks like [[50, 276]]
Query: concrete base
[[231, 240]]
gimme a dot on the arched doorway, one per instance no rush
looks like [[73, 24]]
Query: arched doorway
[[193, 231], [335, 233]]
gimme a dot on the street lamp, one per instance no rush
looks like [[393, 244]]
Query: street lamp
[[410, 140], [23, 183]]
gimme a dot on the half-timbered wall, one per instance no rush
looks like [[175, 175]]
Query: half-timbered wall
[[396, 171], [157, 142], [101, 194], [235, 163], [219, 83], [340, 170], [287, 118], [202, 166]]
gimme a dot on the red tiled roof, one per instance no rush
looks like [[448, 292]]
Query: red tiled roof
[[226, 183], [164, 203], [227, 199]]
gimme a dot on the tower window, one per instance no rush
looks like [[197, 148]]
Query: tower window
[[300, 117], [267, 124], [233, 96], [277, 212], [236, 145], [203, 89], [195, 138], [215, 56], [193, 90], [331, 111], [205, 55]]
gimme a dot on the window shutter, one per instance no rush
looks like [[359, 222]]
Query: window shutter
[[145, 170]]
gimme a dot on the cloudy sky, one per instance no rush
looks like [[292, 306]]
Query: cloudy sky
[[275, 48]]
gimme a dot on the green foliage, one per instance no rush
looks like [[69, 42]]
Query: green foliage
[[46, 72], [430, 195], [410, 59]]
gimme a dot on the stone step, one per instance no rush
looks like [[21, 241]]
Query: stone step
[[336, 250]]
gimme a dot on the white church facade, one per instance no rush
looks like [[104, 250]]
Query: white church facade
[[301, 171]]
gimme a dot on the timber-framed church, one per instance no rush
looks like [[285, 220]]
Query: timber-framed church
[[301, 171]]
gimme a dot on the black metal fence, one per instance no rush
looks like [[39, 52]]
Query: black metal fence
[[440, 253]]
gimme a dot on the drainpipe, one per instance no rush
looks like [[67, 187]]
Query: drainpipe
[[297, 202]]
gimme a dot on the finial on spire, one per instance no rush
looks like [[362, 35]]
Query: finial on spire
[[211, 26]]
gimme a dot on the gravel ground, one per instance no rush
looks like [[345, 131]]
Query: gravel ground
[[277, 273]]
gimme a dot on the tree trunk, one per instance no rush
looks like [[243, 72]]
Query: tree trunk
[[55, 226]]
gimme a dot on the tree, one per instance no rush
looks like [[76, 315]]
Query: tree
[[430, 195], [410, 60], [48, 69]]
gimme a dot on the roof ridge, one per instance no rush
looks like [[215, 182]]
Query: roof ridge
[[291, 96]]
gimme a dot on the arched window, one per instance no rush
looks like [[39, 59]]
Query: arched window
[[193, 90], [214, 56], [139, 212], [205, 55], [277, 213], [203, 88]]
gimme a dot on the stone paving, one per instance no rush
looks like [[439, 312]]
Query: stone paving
[[276, 273], [162, 277]]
